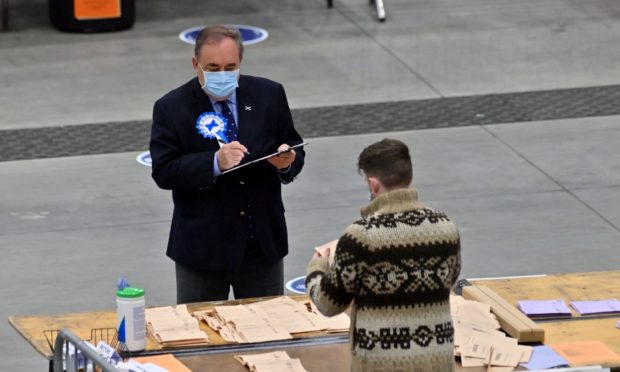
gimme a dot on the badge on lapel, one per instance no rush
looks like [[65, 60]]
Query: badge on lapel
[[212, 125]]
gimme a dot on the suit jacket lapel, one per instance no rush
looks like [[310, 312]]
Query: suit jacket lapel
[[247, 124], [202, 103]]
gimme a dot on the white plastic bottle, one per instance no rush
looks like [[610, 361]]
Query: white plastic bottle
[[130, 314]]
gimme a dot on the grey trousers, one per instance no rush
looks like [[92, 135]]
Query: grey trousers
[[253, 278]]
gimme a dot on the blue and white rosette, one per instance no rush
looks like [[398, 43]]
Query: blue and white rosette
[[212, 125]]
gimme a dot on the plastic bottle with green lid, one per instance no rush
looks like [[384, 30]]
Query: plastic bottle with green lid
[[130, 307]]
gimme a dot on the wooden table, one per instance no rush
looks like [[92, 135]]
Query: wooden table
[[569, 287], [318, 351], [315, 358], [321, 352], [32, 329]]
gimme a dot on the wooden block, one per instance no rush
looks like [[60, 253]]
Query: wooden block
[[513, 322]]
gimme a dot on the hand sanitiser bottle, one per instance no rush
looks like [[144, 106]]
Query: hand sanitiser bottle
[[130, 314]]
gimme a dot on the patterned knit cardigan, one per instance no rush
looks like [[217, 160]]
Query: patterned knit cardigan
[[396, 266]]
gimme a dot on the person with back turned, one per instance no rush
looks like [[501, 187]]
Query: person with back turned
[[395, 267], [228, 228]]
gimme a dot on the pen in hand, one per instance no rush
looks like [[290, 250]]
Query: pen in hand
[[222, 143]]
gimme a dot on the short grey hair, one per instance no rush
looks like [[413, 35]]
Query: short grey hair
[[215, 34]]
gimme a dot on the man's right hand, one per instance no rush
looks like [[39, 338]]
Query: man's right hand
[[326, 249], [230, 155]]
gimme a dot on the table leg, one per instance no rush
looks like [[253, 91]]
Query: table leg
[[4, 22], [380, 10]]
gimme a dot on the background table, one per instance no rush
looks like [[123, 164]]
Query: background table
[[320, 351], [33, 328], [316, 358], [569, 287]]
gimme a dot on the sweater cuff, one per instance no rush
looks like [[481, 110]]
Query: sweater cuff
[[320, 263]]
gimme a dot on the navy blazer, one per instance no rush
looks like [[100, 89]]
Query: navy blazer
[[208, 229]]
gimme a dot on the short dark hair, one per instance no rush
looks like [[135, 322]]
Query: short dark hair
[[387, 160], [215, 34]]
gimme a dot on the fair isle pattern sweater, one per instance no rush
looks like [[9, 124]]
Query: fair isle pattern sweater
[[396, 266]]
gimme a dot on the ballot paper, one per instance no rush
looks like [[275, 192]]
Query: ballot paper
[[499, 369], [576, 369], [289, 365], [477, 340], [254, 330], [505, 355], [269, 320], [277, 361], [544, 357], [493, 349], [332, 324], [166, 361], [243, 324], [537, 309], [251, 358], [173, 326], [133, 366], [585, 352], [609, 306]]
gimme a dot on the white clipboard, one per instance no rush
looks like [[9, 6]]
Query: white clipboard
[[266, 157]]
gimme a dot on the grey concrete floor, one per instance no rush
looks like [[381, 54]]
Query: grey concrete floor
[[529, 198]]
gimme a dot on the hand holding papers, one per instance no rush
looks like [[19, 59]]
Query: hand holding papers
[[327, 250], [279, 152], [284, 158]]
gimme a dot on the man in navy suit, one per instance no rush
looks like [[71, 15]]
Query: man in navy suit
[[228, 228]]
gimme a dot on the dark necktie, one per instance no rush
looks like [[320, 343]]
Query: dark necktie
[[231, 130], [231, 135]]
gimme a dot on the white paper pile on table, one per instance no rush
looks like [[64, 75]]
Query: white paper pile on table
[[478, 341], [332, 324], [275, 319], [299, 317], [277, 361], [243, 323], [173, 326]]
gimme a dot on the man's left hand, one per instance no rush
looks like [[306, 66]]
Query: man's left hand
[[284, 159]]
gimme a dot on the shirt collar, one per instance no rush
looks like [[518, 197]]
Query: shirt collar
[[231, 100], [395, 201]]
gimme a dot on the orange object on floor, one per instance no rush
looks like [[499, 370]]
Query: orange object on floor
[[96, 9]]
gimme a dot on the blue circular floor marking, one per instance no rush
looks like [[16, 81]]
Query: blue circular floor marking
[[297, 285], [250, 34], [144, 159]]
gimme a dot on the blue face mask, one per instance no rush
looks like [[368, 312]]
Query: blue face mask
[[220, 84]]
